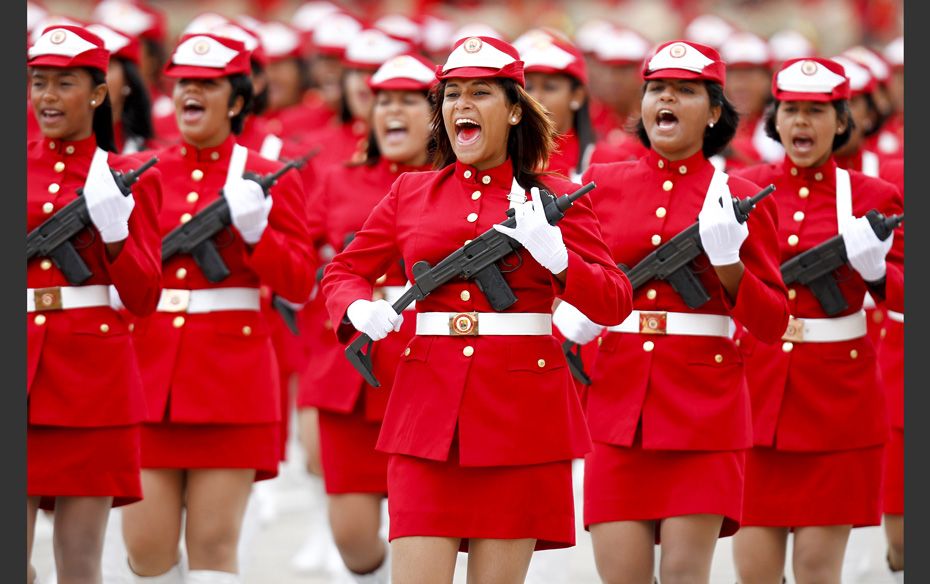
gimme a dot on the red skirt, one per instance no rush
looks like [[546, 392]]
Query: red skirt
[[798, 489], [83, 462], [893, 499], [347, 451], [191, 446], [632, 484], [442, 499]]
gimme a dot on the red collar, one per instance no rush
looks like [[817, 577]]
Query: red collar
[[78, 148], [686, 166], [500, 176], [824, 172], [214, 154]]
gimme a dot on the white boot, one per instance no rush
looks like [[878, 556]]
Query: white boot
[[212, 577], [114, 564], [381, 575], [318, 553], [251, 525], [172, 576]]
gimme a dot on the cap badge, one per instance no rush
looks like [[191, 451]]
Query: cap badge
[[678, 51], [202, 48], [809, 67], [58, 37], [473, 45]]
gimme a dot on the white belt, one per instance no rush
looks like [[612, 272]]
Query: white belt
[[66, 297], [467, 324], [660, 322], [392, 294], [896, 316], [823, 330], [208, 300]]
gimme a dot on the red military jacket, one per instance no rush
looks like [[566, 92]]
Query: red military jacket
[[510, 399], [564, 160], [220, 367], [347, 195], [81, 367], [819, 396], [689, 392]]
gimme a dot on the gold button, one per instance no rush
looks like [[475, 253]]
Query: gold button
[[792, 294], [467, 174], [648, 346], [246, 330], [660, 212], [854, 354], [818, 176], [393, 167], [214, 156], [472, 217], [197, 174], [69, 150], [39, 319], [792, 240], [794, 172], [407, 352], [132, 326], [661, 164], [541, 362], [737, 342], [667, 185], [798, 216], [181, 273], [45, 264], [59, 166], [465, 295], [468, 351], [486, 179], [328, 324], [178, 321], [787, 346], [878, 316], [651, 294], [656, 239], [803, 192], [186, 217], [476, 195], [54, 188], [718, 358], [104, 328], [192, 197], [683, 169], [48, 208], [51, 145], [882, 333], [600, 340]]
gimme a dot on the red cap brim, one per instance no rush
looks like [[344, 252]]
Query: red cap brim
[[511, 71], [191, 72], [400, 84], [801, 96], [94, 58]]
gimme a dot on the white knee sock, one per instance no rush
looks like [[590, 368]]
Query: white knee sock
[[172, 576], [382, 575], [211, 577], [898, 576]]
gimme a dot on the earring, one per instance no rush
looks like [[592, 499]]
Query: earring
[[126, 90], [574, 106], [710, 124], [513, 119], [93, 102], [231, 113]]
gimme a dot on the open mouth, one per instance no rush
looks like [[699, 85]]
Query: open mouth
[[666, 119], [192, 111], [802, 144], [467, 131], [50, 116], [396, 132]]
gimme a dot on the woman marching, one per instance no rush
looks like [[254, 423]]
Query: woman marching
[[818, 406], [350, 410], [206, 356], [668, 400], [85, 396], [483, 418]]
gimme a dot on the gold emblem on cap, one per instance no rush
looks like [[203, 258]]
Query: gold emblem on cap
[[808, 67], [58, 37], [473, 45], [202, 48], [678, 51]]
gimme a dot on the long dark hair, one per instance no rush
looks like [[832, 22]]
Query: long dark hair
[[842, 113], [137, 109], [529, 143], [584, 129], [103, 113], [241, 85], [716, 138]]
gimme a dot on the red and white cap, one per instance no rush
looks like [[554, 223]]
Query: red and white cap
[[871, 61], [119, 45], [709, 29], [588, 36], [35, 13], [311, 14], [544, 53], [280, 41], [744, 50], [861, 81], [476, 29], [333, 38], [248, 37], [400, 27], [894, 53], [205, 56], [480, 56], [436, 33], [52, 20], [68, 46], [790, 44], [622, 46], [810, 79], [134, 18], [371, 48], [204, 23], [405, 72], [685, 60]]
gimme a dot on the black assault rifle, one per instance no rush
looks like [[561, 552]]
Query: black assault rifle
[[814, 268], [670, 262], [476, 260], [52, 239]]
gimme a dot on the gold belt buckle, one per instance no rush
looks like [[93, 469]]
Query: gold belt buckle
[[47, 298], [795, 330], [653, 323], [463, 324], [177, 300]]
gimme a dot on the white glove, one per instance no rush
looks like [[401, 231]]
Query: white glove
[[376, 319], [108, 208], [721, 234], [543, 241], [575, 326], [866, 252], [248, 208]]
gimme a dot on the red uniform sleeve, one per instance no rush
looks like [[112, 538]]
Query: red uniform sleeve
[[892, 203]]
